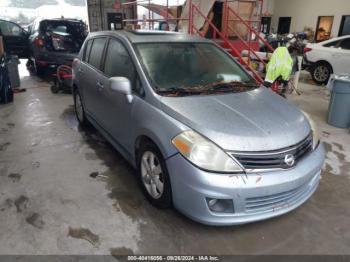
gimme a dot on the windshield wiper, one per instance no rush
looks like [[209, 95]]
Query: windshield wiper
[[236, 86], [179, 90]]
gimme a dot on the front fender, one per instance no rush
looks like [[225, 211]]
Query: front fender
[[154, 124]]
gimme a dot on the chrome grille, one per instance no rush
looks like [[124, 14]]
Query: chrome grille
[[274, 159], [275, 202]]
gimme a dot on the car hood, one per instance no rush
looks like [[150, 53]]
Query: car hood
[[258, 120]]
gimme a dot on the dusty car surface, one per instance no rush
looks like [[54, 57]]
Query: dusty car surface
[[203, 135], [54, 42]]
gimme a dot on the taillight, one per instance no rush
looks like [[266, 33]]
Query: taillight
[[307, 49], [38, 42]]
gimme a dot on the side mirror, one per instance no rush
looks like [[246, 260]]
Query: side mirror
[[121, 85]]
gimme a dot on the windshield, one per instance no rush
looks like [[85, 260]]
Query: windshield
[[192, 68]]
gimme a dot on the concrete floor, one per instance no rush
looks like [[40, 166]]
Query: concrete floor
[[52, 203]]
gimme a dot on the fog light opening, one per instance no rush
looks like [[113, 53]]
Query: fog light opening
[[220, 205]]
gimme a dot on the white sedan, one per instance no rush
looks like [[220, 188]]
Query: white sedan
[[326, 58]]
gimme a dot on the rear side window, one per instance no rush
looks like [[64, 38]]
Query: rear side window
[[332, 44], [118, 61], [345, 44], [87, 51], [96, 53]]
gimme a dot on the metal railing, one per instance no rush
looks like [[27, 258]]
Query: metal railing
[[192, 29], [229, 15]]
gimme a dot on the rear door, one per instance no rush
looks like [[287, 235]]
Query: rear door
[[15, 39], [91, 77]]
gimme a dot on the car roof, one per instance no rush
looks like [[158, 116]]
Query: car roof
[[59, 19], [335, 39], [149, 36]]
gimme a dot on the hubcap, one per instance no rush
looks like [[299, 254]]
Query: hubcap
[[321, 73], [79, 108], [152, 175]]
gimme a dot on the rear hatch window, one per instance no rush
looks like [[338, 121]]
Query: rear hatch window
[[63, 35]]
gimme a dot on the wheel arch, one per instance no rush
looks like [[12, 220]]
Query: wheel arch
[[324, 62], [141, 139]]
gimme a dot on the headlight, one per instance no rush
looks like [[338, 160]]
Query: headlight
[[315, 134], [204, 154]]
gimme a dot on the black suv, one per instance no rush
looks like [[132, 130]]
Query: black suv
[[49, 42]]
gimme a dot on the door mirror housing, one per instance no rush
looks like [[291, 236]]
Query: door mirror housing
[[121, 85]]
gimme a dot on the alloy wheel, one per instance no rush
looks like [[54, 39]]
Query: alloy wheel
[[321, 73], [152, 175]]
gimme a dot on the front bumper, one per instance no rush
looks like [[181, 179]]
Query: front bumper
[[255, 197]]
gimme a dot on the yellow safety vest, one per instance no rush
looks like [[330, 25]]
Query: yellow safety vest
[[280, 64]]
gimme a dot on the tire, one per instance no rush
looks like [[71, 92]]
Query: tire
[[148, 156], [321, 72], [55, 88], [79, 108], [39, 70]]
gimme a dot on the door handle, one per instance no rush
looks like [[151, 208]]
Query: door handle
[[100, 86]]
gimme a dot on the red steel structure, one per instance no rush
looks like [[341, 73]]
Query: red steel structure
[[230, 16]]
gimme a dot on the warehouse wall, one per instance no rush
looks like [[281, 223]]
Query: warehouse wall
[[269, 7], [306, 12], [98, 10]]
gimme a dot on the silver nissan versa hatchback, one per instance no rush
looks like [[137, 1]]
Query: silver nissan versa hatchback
[[203, 135]]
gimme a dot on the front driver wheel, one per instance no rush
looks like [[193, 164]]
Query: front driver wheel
[[321, 73], [154, 176]]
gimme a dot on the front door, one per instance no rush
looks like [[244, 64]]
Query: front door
[[117, 116], [341, 57], [284, 25], [15, 39]]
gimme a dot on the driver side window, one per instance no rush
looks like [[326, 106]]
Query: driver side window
[[119, 63], [10, 29]]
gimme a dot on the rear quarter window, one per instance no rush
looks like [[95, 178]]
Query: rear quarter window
[[96, 53], [87, 51], [332, 44]]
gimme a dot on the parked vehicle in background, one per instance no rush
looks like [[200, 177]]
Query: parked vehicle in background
[[328, 57], [55, 42], [48, 42], [202, 134], [15, 39]]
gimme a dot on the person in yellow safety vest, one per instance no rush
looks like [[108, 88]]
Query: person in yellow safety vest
[[279, 66]]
